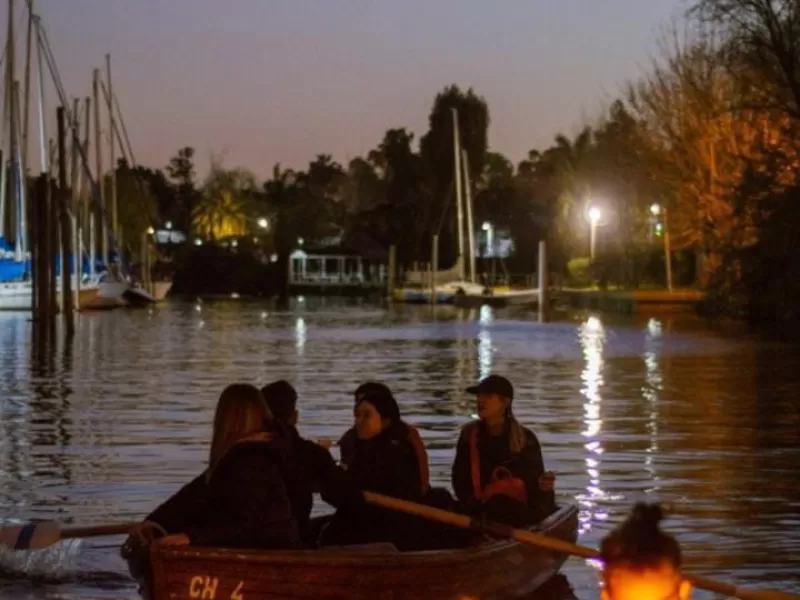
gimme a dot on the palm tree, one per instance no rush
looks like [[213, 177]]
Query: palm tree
[[225, 206]]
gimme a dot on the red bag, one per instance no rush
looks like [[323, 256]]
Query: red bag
[[503, 482]]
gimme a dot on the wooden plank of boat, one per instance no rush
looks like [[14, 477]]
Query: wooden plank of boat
[[498, 569]]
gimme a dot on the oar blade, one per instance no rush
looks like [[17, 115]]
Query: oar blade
[[30, 536]]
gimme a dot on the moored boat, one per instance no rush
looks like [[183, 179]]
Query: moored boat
[[498, 297], [497, 569]]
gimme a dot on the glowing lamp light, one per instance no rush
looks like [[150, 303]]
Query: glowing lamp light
[[594, 214], [263, 223], [655, 209]]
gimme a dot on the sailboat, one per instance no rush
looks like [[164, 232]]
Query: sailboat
[[16, 287], [451, 283]]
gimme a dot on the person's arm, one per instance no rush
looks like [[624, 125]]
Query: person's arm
[[247, 501], [422, 457], [461, 473], [182, 508], [346, 446], [531, 467]]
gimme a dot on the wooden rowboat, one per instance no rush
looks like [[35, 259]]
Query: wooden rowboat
[[498, 569]]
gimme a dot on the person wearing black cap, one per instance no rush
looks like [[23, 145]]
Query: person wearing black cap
[[312, 468], [348, 441], [498, 469], [383, 461]]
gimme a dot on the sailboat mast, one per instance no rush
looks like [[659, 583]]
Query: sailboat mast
[[457, 176], [43, 145], [12, 137], [470, 226], [88, 218], [112, 154], [27, 91], [3, 127], [99, 160]]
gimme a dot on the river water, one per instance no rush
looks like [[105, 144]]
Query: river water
[[650, 407]]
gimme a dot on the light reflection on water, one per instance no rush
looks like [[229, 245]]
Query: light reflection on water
[[625, 409]]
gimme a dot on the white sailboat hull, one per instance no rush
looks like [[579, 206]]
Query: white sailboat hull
[[18, 295]]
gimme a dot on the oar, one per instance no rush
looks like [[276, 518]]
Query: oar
[[543, 541], [35, 536]]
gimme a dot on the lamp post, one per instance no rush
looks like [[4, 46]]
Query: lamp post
[[656, 210], [594, 218]]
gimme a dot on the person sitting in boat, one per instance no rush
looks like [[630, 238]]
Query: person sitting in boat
[[347, 443], [383, 460], [498, 469], [313, 468], [241, 499], [642, 562]]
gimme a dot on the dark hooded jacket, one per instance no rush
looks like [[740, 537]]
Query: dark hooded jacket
[[386, 464], [243, 502], [310, 469]]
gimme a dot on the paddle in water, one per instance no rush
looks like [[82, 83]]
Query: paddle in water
[[36, 536], [524, 536], [32, 550]]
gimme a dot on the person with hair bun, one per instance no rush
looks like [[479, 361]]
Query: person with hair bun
[[642, 562], [384, 461], [498, 469], [347, 443]]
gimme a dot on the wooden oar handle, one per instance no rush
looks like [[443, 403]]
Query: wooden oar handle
[[721, 587], [96, 531], [551, 543]]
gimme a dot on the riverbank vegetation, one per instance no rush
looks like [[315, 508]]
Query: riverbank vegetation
[[703, 147]]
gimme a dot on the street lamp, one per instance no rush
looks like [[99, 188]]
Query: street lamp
[[263, 223], [656, 209], [594, 218], [489, 229]]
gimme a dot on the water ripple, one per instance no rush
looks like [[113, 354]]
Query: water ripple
[[626, 409]]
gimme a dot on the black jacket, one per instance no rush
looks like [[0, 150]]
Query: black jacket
[[494, 451], [243, 503], [310, 469], [386, 464]]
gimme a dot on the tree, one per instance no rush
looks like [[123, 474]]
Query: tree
[[437, 155], [225, 206], [181, 171], [138, 207], [700, 137], [363, 188], [282, 194], [763, 48]]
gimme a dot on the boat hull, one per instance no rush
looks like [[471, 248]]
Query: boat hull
[[498, 299], [500, 569], [421, 296], [18, 295], [161, 289]]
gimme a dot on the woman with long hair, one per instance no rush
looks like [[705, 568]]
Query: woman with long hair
[[498, 469], [642, 562], [241, 499]]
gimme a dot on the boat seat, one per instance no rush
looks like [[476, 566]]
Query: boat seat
[[376, 548]]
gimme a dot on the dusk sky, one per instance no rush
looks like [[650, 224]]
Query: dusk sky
[[266, 81]]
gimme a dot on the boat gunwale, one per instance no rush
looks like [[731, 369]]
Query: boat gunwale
[[341, 558]]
